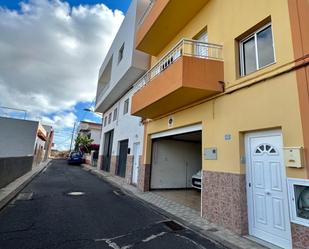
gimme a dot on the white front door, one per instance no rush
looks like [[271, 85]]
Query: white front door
[[266, 188], [136, 149]]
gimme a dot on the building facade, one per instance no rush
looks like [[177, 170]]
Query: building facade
[[122, 134], [228, 95], [90, 130], [23, 144]]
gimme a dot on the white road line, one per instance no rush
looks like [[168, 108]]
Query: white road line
[[154, 236]]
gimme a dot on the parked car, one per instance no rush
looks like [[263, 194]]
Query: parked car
[[75, 158], [197, 180]]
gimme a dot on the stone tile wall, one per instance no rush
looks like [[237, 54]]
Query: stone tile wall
[[144, 177], [129, 169], [113, 165], [224, 200], [100, 162], [300, 236]]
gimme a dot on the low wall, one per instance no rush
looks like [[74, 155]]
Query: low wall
[[13, 167]]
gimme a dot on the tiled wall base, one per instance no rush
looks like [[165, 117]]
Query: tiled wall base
[[300, 236], [144, 177], [113, 165], [129, 168], [224, 200], [100, 161]]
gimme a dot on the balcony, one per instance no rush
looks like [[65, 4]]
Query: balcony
[[191, 71], [168, 15]]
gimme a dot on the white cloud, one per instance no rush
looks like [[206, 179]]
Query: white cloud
[[51, 53], [60, 121]]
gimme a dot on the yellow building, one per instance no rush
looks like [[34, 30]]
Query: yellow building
[[227, 93]]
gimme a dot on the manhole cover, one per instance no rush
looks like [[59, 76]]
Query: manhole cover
[[173, 225], [76, 193]]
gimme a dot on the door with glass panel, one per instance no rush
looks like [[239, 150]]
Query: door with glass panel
[[201, 49]]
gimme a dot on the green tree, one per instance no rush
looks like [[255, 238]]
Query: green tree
[[83, 141]]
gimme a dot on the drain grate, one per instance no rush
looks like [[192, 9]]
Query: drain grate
[[213, 230], [173, 225]]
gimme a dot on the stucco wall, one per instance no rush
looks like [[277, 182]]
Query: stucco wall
[[17, 137], [123, 73], [96, 136], [13, 167], [125, 126]]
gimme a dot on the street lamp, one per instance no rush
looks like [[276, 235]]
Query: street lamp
[[90, 110]]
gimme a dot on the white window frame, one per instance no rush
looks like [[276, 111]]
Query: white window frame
[[109, 118], [126, 109], [115, 114], [241, 48], [293, 213], [121, 53]]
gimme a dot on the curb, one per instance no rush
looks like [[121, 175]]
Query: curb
[[4, 201], [204, 233]]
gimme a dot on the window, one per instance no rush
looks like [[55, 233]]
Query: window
[[115, 114], [120, 53], [109, 118], [105, 121], [256, 51], [126, 106]]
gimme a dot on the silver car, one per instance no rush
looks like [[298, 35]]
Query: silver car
[[197, 180]]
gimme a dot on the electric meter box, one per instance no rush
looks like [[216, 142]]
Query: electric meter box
[[293, 157]]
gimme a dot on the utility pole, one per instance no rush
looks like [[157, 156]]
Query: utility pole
[[72, 136]]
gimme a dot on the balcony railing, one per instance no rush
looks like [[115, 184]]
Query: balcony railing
[[185, 47]]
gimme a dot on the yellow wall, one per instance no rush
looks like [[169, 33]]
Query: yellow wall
[[226, 20], [269, 104]]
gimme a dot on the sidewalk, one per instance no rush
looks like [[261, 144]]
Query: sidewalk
[[183, 214], [11, 190]]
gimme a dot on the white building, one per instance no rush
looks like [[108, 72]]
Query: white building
[[122, 134], [23, 144], [91, 130]]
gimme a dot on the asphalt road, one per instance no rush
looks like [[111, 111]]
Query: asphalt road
[[43, 215]]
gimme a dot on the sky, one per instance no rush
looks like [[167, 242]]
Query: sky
[[51, 52]]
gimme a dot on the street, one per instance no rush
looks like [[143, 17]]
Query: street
[[51, 213]]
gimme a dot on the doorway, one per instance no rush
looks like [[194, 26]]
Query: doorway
[[266, 188], [136, 153], [107, 152], [122, 160]]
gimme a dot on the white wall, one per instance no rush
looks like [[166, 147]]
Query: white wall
[[96, 136], [125, 126], [174, 163], [17, 137], [134, 64]]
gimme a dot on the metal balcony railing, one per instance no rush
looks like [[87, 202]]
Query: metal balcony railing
[[185, 47]]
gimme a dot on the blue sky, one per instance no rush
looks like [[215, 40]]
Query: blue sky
[[57, 49], [113, 4]]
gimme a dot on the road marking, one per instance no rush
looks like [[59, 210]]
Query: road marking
[[154, 236]]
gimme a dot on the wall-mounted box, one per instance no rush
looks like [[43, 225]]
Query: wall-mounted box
[[298, 190], [210, 153], [293, 157]]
